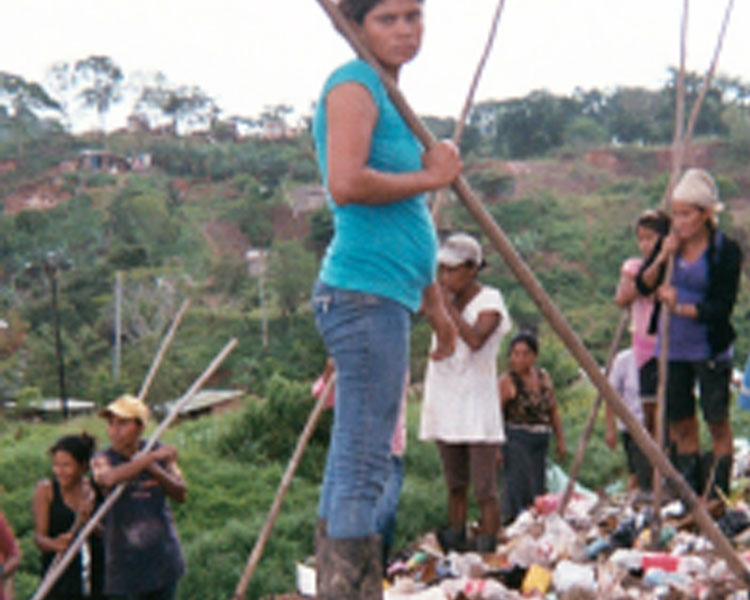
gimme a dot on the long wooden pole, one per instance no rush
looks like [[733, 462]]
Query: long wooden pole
[[52, 575], [440, 198], [680, 146], [286, 480], [548, 309], [664, 317], [583, 442], [156, 363]]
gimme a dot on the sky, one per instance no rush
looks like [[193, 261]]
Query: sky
[[248, 54]]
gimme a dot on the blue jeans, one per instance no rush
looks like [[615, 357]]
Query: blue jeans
[[387, 505], [368, 337]]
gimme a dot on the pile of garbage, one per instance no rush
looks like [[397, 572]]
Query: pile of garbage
[[603, 548]]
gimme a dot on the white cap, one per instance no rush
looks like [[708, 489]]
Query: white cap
[[458, 249]]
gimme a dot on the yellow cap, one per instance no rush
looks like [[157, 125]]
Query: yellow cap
[[127, 407]]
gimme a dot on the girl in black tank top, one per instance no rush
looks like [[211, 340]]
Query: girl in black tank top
[[61, 506]]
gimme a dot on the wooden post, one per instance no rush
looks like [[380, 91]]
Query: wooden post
[[548, 309], [591, 421], [118, 327], [286, 480]]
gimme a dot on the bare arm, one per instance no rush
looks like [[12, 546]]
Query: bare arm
[[351, 116], [108, 476], [562, 448], [626, 291], [170, 478], [435, 311], [474, 335], [507, 389]]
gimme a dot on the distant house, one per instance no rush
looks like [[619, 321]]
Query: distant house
[[206, 402], [307, 199], [102, 161], [50, 408]]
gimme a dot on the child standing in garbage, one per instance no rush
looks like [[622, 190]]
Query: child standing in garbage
[[700, 299], [387, 504], [461, 409], [624, 378], [650, 229], [530, 409], [143, 556]]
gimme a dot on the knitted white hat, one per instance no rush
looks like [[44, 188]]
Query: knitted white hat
[[697, 187]]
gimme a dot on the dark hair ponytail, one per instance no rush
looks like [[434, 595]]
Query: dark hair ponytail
[[80, 447]]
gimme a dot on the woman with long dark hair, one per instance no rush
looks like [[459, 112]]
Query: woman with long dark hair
[[61, 505]]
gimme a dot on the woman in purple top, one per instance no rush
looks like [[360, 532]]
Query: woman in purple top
[[700, 299]]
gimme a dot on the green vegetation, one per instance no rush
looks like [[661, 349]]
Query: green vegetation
[[565, 177]]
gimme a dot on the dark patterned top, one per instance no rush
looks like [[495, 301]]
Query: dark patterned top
[[527, 408], [142, 551]]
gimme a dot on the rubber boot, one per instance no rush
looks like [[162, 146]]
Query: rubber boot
[[372, 581], [353, 570], [722, 476], [689, 466], [486, 543], [322, 562], [644, 472], [452, 538]]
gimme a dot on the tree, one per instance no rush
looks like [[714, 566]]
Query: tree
[[291, 270], [186, 106], [103, 80], [24, 98]]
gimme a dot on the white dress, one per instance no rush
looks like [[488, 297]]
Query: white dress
[[461, 401]]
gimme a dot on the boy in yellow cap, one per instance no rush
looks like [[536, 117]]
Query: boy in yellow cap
[[142, 552]]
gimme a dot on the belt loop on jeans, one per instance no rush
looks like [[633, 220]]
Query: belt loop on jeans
[[324, 300]]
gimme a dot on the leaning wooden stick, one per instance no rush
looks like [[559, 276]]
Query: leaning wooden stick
[[440, 196], [664, 318], [469, 102], [156, 363], [53, 575], [593, 414], [548, 309], [708, 77], [286, 480]]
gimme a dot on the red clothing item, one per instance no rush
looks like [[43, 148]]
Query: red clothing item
[[8, 547]]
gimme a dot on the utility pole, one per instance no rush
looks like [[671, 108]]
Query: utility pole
[[50, 265], [118, 327]]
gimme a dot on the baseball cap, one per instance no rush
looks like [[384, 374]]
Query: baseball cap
[[459, 249], [127, 407]]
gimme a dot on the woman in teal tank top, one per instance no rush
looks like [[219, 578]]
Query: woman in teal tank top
[[378, 270]]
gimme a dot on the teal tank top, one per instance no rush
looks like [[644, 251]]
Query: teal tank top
[[387, 249]]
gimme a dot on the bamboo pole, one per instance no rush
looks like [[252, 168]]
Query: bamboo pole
[[52, 575], [548, 309], [440, 196], [591, 421], [286, 481], [681, 144], [708, 77], [664, 317], [156, 363]]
